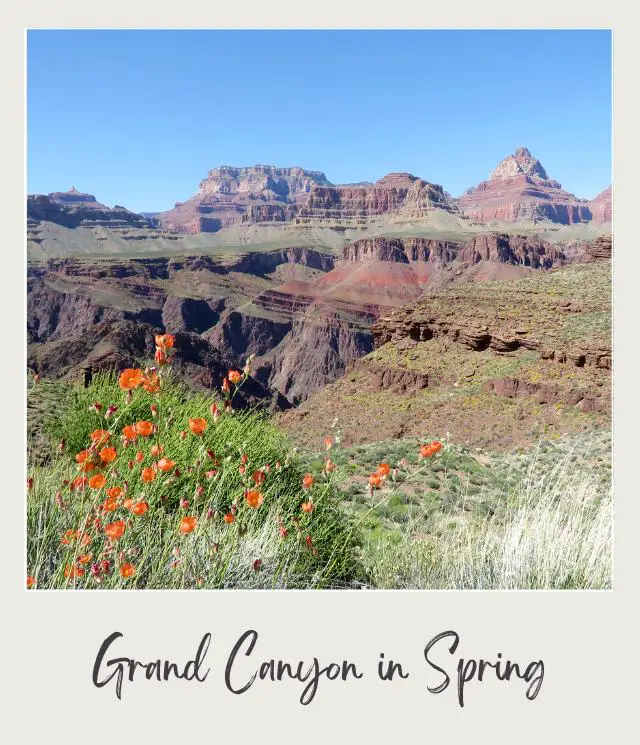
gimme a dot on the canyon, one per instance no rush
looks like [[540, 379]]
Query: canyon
[[281, 264]]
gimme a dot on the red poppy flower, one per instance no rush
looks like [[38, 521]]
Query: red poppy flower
[[165, 465], [99, 436], [197, 425], [144, 428], [254, 499], [97, 481], [165, 341], [127, 570], [139, 508], [115, 530], [72, 572], [187, 525], [107, 455], [148, 475], [129, 432], [130, 379]]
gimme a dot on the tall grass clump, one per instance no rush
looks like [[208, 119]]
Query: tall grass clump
[[554, 531], [155, 486]]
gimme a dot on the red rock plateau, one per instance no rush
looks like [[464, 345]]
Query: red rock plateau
[[519, 190]]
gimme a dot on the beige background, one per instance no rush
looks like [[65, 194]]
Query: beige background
[[587, 640]]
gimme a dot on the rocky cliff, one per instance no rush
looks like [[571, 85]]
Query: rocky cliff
[[228, 195]]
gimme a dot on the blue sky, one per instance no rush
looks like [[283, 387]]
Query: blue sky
[[139, 117]]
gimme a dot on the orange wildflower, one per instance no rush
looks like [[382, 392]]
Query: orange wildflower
[[111, 505], [384, 469], [144, 428], [197, 425], [234, 376], [164, 464], [151, 383], [130, 432], [254, 498], [308, 507], [160, 356], [130, 378], [139, 508], [165, 341], [85, 558], [229, 518], [375, 480], [99, 436], [108, 454], [307, 481], [71, 571], [329, 466], [115, 530], [114, 492], [87, 466], [426, 451], [97, 481], [187, 525], [437, 446], [226, 387], [79, 482], [148, 475], [258, 477], [139, 456], [156, 450], [127, 504], [328, 442], [31, 582], [82, 456], [127, 570]]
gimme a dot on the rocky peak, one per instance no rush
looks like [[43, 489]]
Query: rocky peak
[[519, 163]]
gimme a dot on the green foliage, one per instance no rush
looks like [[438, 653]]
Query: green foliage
[[209, 477]]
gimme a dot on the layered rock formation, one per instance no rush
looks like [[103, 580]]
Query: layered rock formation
[[401, 194], [519, 190], [494, 364], [227, 194], [601, 208]]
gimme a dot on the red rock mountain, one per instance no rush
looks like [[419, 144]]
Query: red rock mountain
[[228, 193], [519, 190], [601, 207], [266, 194]]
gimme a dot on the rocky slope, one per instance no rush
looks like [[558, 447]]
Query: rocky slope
[[496, 363], [519, 190]]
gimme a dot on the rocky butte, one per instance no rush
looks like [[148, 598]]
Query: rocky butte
[[227, 194], [519, 190]]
